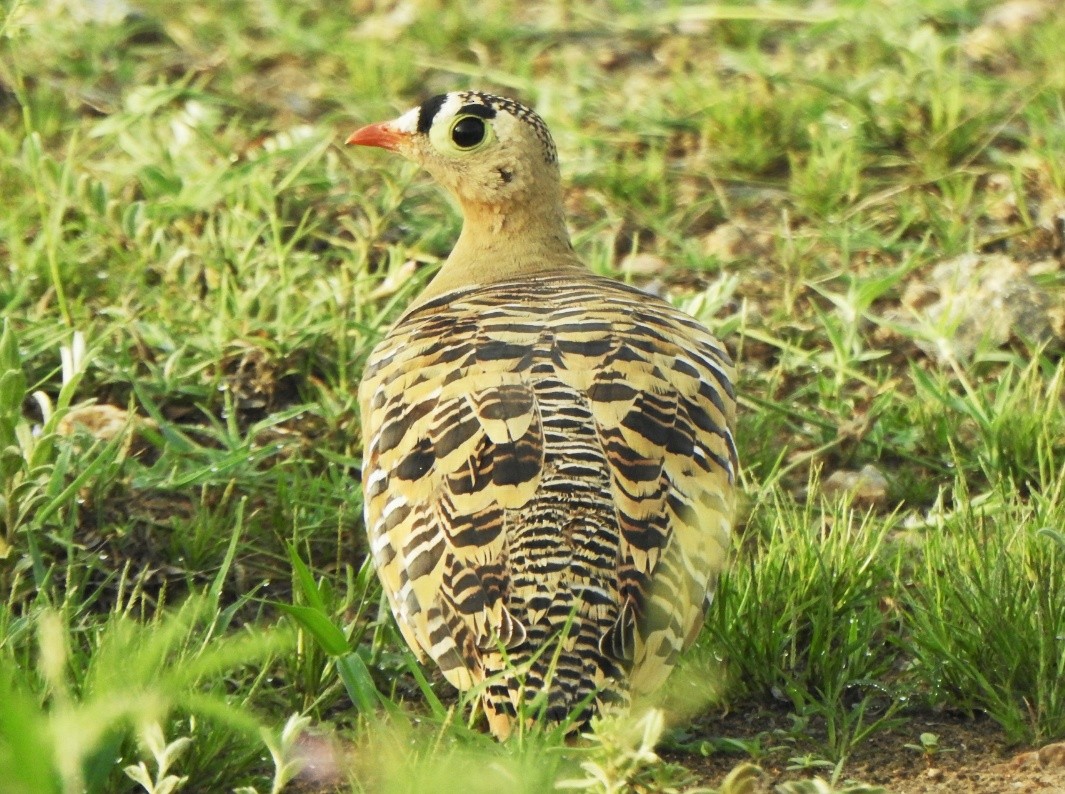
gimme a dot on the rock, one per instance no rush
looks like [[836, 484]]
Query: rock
[[867, 486], [724, 242], [102, 422], [1051, 756], [979, 301], [642, 265], [1001, 24]]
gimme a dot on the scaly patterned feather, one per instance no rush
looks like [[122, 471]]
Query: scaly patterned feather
[[548, 476]]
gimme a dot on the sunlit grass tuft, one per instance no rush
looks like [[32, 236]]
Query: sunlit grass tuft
[[986, 613], [805, 617]]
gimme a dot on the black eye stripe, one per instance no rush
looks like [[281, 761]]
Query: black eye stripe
[[429, 108], [427, 112]]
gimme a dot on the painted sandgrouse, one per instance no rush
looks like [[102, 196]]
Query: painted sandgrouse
[[548, 465]]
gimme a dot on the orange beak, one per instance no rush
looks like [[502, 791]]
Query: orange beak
[[382, 134]]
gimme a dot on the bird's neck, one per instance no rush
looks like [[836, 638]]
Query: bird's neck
[[498, 245]]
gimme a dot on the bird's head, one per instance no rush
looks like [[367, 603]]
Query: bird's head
[[486, 150]]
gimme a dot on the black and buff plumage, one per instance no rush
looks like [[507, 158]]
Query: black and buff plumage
[[549, 461]]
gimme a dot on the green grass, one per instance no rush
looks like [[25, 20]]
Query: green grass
[[183, 238]]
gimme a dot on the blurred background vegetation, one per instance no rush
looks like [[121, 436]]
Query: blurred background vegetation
[[864, 198]]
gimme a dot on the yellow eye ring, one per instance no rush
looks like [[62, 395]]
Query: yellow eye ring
[[465, 133], [468, 132]]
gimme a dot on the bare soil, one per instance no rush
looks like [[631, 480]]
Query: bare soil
[[973, 757]]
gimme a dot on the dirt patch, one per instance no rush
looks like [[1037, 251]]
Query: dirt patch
[[973, 757]]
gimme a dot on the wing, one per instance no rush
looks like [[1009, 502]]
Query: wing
[[452, 442], [548, 451], [660, 389]]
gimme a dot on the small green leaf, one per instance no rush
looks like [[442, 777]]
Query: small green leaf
[[319, 626], [11, 460], [12, 389], [133, 219], [1053, 534], [360, 686], [306, 580], [98, 196]]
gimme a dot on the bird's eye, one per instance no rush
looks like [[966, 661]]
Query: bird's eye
[[467, 132], [463, 135]]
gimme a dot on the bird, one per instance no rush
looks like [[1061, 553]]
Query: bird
[[549, 464]]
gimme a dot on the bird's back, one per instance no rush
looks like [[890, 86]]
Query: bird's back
[[548, 476]]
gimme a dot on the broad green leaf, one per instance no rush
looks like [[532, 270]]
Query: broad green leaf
[[306, 580], [320, 627]]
